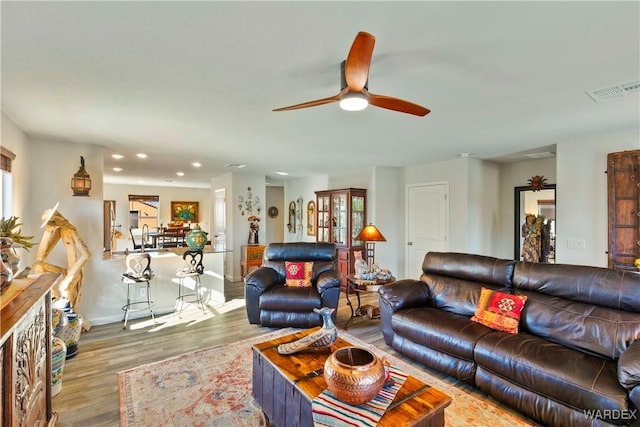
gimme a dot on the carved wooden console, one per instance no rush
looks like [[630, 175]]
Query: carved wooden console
[[25, 353]]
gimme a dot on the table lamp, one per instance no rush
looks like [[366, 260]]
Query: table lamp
[[370, 234]]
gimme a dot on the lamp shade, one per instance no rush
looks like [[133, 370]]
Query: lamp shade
[[370, 234]]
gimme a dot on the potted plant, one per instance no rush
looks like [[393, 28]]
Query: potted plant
[[10, 228], [10, 234]]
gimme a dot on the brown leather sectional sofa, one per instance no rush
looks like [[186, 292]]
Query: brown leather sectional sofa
[[575, 360]]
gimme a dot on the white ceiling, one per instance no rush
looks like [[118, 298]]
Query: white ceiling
[[186, 81]]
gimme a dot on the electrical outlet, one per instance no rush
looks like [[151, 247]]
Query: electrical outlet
[[142, 292], [576, 244]]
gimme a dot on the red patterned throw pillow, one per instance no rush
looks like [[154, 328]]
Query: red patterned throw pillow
[[499, 311], [298, 274]]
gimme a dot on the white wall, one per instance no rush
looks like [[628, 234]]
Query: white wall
[[484, 202], [52, 164], [238, 234], [274, 227], [384, 210], [581, 207], [358, 178], [14, 139], [304, 188]]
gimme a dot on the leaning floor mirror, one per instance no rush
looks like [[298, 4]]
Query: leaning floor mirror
[[535, 224]]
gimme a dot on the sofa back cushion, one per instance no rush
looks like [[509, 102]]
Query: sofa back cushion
[[323, 256], [455, 280], [588, 308], [476, 268]]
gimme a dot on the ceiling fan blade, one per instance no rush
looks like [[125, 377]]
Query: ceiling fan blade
[[397, 104], [315, 103], [356, 69]]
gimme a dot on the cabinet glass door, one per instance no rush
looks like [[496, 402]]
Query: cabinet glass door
[[357, 218], [339, 219], [323, 219]]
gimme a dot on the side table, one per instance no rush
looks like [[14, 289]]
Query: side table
[[358, 286], [251, 256]]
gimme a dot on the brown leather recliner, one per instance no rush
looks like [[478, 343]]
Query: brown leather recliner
[[270, 303]]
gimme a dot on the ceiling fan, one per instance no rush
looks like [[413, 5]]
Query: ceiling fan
[[354, 94]]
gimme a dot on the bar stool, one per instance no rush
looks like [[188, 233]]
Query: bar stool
[[193, 269], [138, 271]]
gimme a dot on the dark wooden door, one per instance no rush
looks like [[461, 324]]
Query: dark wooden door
[[623, 176]]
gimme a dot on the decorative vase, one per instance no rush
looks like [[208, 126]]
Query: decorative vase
[[196, 238], [70, 334], [59, 320], [9, 254], [354, 375], [58, 356], [6, 274], [67, 325]]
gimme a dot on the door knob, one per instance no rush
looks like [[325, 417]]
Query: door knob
[[409, 243]]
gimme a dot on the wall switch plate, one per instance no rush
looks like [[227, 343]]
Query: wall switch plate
[[580, 244], [142, 292]]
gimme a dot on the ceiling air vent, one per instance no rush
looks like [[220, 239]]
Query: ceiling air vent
[[540, 155], [617, 91]]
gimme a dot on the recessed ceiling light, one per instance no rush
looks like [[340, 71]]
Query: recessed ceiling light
[[141, 155], [282, 173], [117, 156], [117, 169], [180, 173], [196, 164]]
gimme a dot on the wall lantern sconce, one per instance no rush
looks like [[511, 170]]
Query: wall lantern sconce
[[81, 181]]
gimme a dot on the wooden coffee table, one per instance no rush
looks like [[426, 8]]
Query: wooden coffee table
[[285, 385]]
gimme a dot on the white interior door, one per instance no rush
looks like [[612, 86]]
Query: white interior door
[[427, 223], [219, 236]]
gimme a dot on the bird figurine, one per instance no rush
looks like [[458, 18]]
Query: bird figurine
[[323, 337]]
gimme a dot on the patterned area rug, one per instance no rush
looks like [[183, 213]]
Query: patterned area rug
[[212, 387]]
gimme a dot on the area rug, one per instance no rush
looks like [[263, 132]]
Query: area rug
[[212, 387]]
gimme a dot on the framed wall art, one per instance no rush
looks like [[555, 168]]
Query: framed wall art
[[311, 218], [185, 211]]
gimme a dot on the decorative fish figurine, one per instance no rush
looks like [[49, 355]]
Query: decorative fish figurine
[[323, 337]]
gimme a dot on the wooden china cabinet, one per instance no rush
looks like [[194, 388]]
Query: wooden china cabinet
[[341, 215], [623, 186]]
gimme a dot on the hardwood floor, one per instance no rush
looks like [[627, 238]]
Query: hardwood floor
[[89, 395]]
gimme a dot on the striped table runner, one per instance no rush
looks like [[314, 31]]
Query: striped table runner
[[328, 410]]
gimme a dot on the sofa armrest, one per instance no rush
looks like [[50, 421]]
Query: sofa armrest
[[328, 279], [262, 278], [405, 293], [629, 366]]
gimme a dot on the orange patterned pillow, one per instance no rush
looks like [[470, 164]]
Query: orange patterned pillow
[[298, 274], [499, 311]]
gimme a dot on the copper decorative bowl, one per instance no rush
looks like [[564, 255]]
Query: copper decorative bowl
[[354, 375]]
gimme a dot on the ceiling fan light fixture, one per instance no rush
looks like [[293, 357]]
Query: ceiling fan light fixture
[[354, 101]]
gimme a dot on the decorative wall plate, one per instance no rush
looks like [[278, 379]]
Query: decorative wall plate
[[272, 212]]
